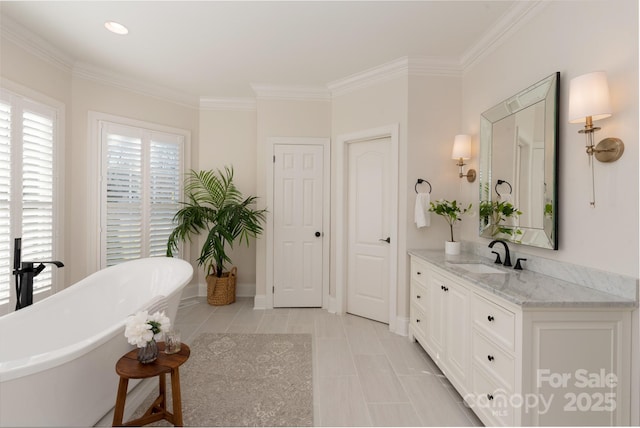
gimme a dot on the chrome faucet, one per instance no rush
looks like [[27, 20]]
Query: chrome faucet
[[507, 256]]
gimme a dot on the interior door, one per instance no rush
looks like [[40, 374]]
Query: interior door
[[297, 222], [368, 225]]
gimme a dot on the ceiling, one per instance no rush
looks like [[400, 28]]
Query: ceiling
[[219, 49]]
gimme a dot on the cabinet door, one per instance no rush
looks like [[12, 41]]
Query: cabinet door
[[457, 333], [436, 324]]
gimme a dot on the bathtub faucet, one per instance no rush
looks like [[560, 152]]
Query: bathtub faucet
[[24, 273]]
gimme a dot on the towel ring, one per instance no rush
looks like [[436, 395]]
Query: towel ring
[[499, 182], [420, 181]]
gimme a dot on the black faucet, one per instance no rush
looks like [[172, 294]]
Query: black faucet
[[507, 256], [24, 273]]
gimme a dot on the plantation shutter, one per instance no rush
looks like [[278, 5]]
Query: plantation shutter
[[142, 191], [5, 201], [37, 193], [28, 135], [165, 190], [123, 195]]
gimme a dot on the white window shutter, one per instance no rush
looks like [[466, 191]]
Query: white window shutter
[[165, 182], [5, 199], [27, 182], [123, 198], [142, 191], [37, 193]]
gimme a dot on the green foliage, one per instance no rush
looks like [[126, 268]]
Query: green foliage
[[450, 211], [214, 205]]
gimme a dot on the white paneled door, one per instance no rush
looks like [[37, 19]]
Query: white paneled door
[[297, 225], [368, 225]]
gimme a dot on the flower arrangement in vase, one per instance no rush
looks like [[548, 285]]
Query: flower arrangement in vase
[[451, 212], [143, 330]]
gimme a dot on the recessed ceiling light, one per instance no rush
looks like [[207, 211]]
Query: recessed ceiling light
[[116, 27]]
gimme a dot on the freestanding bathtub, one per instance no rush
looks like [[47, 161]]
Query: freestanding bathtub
[[58, 356]]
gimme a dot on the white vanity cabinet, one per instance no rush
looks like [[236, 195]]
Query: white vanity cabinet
[[439, 315], [520, 365]]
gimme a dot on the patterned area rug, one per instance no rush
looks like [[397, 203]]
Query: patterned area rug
[[245, 380]]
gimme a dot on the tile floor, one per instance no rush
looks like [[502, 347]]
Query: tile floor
[[363, 375]]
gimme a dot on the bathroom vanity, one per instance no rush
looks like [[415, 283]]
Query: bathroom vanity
[[520, 347]]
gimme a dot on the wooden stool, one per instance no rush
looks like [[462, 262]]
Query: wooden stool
[[128, 367]]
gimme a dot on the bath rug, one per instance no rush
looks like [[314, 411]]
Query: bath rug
[[245, 380]]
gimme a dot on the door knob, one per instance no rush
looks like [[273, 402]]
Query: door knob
[[388, 240], [318, 234]]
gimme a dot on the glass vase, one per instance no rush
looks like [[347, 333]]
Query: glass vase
[[148, 353]]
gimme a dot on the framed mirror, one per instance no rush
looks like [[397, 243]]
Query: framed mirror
[[518, 167]]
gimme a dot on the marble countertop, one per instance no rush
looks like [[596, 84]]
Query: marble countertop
[[524, 288]]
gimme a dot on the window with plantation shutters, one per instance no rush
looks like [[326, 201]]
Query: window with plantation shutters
[[28, 134], [142, 172]]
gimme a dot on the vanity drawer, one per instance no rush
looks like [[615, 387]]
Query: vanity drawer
[[419, 296], [494, 360], [419, 271], [495, 321], [490, 400], [418, 321]]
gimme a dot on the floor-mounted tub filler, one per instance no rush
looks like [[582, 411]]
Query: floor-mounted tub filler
[[58, 356]]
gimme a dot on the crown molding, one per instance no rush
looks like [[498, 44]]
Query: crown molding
[[414, 66], [109, 78], [520, 13], [512, 20], [232, 104], [290, 92], [369, 77], [34, 44], [434, 66]]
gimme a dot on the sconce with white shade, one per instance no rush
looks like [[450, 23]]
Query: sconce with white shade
[[461, 151], [588, 102]]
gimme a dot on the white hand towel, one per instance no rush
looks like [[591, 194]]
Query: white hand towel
[[422, 214]]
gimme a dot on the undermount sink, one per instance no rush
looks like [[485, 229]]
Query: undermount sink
[[478, 268]]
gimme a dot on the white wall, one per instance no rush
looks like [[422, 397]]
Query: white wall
[[383, 104], [88, 96], [228, 138], [574, 38], [283, 118]]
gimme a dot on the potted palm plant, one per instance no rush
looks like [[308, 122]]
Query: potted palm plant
[[214, 205], [451, 212]]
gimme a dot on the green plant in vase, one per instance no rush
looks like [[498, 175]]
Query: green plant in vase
[[452, 213], [218, 210]]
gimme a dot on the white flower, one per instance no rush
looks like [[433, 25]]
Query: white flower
[[163, 323], [141, 327]]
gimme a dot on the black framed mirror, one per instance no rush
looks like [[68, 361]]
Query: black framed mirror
[[518, 167]]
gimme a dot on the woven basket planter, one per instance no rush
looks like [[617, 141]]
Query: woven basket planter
[[222, 291]]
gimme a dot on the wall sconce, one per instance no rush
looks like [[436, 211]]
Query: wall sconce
[[588, 102], [461, 151]]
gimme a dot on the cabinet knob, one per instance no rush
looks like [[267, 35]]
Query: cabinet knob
[[418, 296], [490, 357], [442, 287], [489, 397], [417, 320], [490, 318], [445, 288], [419, 273]]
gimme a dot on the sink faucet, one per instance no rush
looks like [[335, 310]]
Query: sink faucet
[[507, 256]]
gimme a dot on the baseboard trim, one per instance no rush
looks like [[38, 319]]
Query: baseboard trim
[[260, 301], [332, 305], [402, 326], [242, 290]]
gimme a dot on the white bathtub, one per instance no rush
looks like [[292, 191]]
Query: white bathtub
[[58, 356]]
